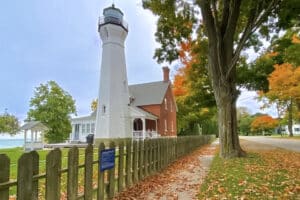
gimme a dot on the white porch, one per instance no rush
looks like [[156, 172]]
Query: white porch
[[144, 124]]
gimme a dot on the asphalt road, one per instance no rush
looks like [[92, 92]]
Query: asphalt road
[[289, 144]]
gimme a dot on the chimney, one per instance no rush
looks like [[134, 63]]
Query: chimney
[[166, 72]]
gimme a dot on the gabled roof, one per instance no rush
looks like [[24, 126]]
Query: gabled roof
[[87, 117], [34, 125], [148, 93], [137, 112]]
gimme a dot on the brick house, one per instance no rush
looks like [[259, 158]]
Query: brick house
[[156, 98]]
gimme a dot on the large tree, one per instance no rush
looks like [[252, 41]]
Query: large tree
[[9, 123], [230, 27], [52, 106]]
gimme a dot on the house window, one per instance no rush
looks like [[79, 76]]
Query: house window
[[172, 126], [166, 104], [83, 128], [88, 128], [166, 125], [296, 129], [93, 128]]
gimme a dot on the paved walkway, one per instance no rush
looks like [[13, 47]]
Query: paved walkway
[[180, 181], [289, 144]]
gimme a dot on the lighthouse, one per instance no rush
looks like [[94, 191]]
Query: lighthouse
[[113, 120]]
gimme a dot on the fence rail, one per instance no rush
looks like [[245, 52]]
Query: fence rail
[[134, 160]]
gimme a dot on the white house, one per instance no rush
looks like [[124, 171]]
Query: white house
[[296, 129], [82, 127]]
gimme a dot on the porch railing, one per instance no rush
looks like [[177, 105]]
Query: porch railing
[[144, 134]]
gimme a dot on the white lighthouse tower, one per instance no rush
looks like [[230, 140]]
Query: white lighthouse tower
[[113, 119]]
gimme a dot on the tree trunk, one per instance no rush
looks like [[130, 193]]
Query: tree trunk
[[290, 119], [227, 122]]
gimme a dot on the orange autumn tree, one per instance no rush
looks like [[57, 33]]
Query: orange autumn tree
[[284, 80], [284, 87], [181, 81], [193, 93], [263, 124]]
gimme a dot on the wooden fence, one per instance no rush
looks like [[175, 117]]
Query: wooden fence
[[134, 160]]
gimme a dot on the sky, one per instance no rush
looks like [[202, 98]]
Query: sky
[[58, 40]]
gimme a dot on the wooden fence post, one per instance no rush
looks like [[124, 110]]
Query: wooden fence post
[[4, 175], [135, 161], [146, 159], [121, 167], [165, 152], [159, 153], [151, 156], [155, 155], [25, 176], [72, 183], [141, 160], [53, 174], [101, 184], [111, 176], [88, 173], [35, 171], [128, 162]]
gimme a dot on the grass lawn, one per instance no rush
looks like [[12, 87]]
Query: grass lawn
[[263, 174], [15, 153]]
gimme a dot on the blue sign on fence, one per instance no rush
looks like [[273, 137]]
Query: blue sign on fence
[[107, 159]]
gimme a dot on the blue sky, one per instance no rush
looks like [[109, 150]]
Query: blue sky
[[58, 40]]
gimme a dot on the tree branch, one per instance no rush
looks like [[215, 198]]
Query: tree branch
[[218, 38], [234, 12], [225, 15], [254, 21], [212, 33]]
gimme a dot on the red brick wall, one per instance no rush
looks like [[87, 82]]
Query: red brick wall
[[165, 113]]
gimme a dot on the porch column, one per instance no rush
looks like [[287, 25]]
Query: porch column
[[132, 124], [42, 138], [31, 148], [156, 127], [144, 127], [25, 138], [35, 136]]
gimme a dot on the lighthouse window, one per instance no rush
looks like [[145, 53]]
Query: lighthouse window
[[103, 109]]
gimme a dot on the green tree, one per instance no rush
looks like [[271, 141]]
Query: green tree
[[9, 123], [284, 49], [52, 106], [230, 27], [244, 121]]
